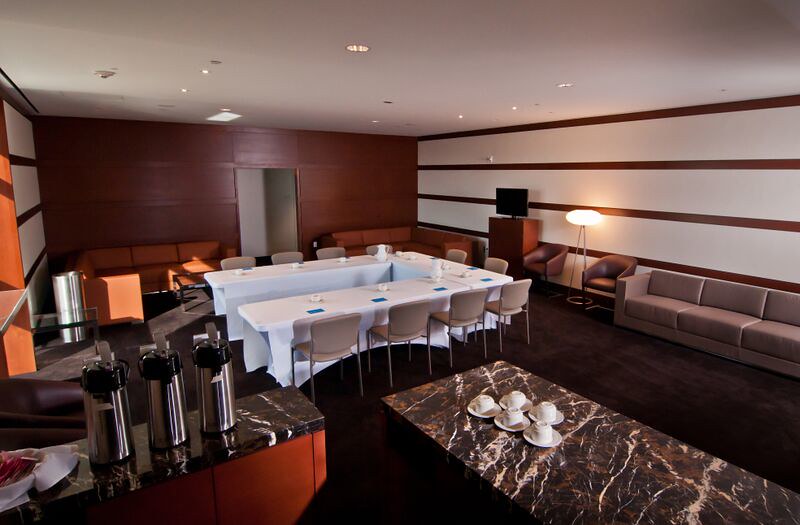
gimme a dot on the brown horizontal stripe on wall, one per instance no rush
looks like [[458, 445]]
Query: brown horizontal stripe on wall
[[17, 160], [21, 219], [661, 265], [699, 218], [35, 265], [685, 111], [724, 164]]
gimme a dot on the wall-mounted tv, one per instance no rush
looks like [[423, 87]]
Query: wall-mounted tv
[[512, 201]]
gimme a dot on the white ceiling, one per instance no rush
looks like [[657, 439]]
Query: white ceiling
[[284, 62]]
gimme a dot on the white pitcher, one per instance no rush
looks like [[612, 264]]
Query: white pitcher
[[381, 254], [436, 269]]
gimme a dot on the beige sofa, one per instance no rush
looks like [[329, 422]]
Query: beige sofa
[[404, 238], [753, 325]]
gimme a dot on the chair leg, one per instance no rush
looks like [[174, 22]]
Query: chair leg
[[409, 351], [450, 345], [293, 381], [500, 332], [528, 322], [369, 351], [483, 329], [358, 364], [341, 369], [311, 373], [428, 339], [389, 353]]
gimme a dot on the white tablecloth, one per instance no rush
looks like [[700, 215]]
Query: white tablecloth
[[274, 282], [270, 326]]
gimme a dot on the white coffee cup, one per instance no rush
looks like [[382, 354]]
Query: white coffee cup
[[484, 403], [342, 259], [399, 253], [238, 271], [513, 416], [315, 298], [515, 399], [295, 265], [466, 273], [382, 287], [542, 432], [446, 266], [545, 411]]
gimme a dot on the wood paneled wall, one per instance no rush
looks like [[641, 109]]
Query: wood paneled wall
[[118, 183]]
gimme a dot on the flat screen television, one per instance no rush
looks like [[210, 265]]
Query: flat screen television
[[512, 201]]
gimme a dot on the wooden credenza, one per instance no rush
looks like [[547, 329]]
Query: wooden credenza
[[511, 239]]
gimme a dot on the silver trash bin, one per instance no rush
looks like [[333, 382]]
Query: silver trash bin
[[68, 290]]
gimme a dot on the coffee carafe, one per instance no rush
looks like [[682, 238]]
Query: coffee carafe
[[105, 401], [214, 374], [166, 398]]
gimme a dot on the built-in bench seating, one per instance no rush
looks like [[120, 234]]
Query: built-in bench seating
[[751, 324]]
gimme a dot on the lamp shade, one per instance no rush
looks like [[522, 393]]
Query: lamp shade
[[584, 217]]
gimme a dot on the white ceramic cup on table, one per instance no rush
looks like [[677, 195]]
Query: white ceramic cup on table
[[342, 259], [295, 265], [515, 399], [545, 411], [484, 403], [315, 298], [513, 416], [541, 432], [382, 287]]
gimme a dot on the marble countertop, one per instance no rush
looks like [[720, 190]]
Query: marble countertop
[[264, 420], [609, 468]]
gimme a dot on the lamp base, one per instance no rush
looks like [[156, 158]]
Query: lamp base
[[577, 299]]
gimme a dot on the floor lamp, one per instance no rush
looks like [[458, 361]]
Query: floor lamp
[[582, 218]]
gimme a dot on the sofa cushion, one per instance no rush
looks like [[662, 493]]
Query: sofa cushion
[[84, 265], [714, 323], [400, 234], [198, 251], [783, 307], [605, 284], [426, 236], [156, 273], [352, 251], [207, 265], [742, 298], [351, 238], [676, 285], [779, 340], [108, 272], [380, 236], [657, 309], [154, 254], [426, 249], [104, 258]]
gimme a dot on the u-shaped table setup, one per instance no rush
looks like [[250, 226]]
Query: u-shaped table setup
[[269, 306]]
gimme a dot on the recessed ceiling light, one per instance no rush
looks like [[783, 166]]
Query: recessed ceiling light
[[566, 84], [102, 73], [216, 62], [461, 116], [166, 106], [357, 48], [225, 116], [388, 102], [204, 71], [184, 90], [514, 108], [375, 121], [225, 109]]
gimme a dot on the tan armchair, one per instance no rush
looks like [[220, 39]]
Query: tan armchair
[[546, 261], [604, 273]]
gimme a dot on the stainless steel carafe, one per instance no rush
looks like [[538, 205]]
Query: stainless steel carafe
[[166, 399], [105, 401], [213, 371]]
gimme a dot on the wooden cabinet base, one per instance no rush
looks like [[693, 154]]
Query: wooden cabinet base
[[511, 239]]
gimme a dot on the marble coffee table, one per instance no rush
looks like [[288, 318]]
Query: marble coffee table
[[609, 468]]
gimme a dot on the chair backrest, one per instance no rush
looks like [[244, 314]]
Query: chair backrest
[[468, 305], [331, 253], [287, 257], [234, 263], [372, 249], [334, 334], [493, 264], [454, 255], [515, 295], [409, 318]]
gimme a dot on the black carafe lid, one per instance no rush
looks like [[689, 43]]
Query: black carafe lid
[[161, 364], [102, 377], [212, 352]]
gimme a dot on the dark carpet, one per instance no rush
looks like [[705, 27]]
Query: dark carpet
[[743, 415]]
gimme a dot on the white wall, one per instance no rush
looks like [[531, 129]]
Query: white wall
[[26, 197], [763, 194]]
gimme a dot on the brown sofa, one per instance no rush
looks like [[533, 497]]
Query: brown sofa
[[404, 238], [753, 325], [115, 278]]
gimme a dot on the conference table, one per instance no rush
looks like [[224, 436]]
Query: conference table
[[270, 327]]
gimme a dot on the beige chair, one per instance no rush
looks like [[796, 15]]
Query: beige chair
[[466, 309], [372, 249], [493, 264], [513, 300], [459, 256], [235, 263], [406, 322], [331, 253], [332, 338], [287, 257]]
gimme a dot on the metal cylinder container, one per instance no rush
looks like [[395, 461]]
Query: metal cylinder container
[[162, 372], [69, 295], [108, 420], [214, 375]]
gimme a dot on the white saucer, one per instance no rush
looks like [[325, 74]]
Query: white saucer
[[527, 405], [522, 425], [556, 439], [559, 418], [494, 412]]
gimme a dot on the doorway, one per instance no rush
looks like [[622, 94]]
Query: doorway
[[267, 210]]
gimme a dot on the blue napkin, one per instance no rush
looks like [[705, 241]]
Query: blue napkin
[[315, 311], [473, 268], [487, 279], [247, 269], [379, 299], [440, 289]]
